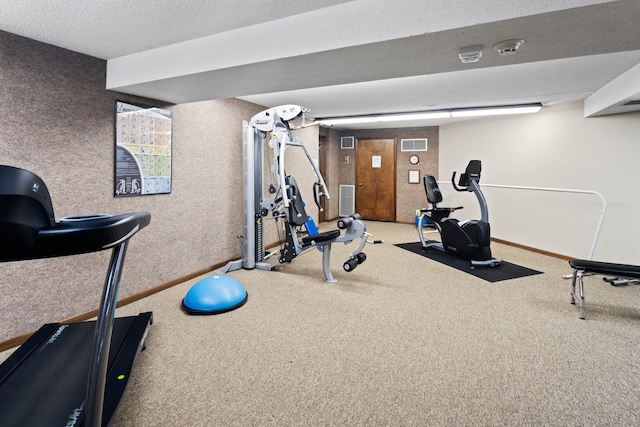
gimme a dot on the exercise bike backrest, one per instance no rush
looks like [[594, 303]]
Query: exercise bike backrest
[[472, 173], [434, 195]]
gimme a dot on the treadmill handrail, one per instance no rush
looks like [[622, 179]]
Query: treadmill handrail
[[29, 234], [78, 237]]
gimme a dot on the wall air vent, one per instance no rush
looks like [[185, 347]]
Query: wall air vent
[[347, 200], [348, 142], [419, 144]]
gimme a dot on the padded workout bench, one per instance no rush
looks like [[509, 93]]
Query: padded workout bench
[[583, 266]]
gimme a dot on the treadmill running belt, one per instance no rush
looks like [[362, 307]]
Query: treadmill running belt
[[47, 387]]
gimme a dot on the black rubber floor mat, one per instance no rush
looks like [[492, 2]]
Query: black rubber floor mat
[[505, 271]]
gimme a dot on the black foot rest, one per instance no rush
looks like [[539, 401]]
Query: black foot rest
[[609, 268], [320, 237]]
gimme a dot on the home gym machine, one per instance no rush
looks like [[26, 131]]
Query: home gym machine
[[469, 239], [284, 204], [66, 374]]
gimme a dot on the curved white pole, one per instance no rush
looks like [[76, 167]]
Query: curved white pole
[[560, 190]]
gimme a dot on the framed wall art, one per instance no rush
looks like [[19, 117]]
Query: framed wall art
[[142, 151]]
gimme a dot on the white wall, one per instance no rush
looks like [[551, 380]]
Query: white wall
[[556, 147]]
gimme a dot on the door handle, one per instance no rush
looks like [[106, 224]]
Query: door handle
[[359, 184]]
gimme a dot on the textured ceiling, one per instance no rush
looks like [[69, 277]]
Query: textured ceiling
[[351, 57]]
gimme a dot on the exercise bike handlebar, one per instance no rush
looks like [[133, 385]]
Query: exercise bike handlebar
[[472, 179], [455, 187], [442, 209]]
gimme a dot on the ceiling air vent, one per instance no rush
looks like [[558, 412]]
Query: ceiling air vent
[[418, 144], [470, 54]]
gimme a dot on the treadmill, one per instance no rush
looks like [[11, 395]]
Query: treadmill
[[67, 374]]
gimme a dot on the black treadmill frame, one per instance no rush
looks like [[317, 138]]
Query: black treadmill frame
[[28, 230], [127, 342]]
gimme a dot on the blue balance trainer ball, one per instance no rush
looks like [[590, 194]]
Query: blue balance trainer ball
[[214, 295]]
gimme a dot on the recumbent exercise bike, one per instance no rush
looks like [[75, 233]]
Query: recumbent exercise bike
[[469, 240]]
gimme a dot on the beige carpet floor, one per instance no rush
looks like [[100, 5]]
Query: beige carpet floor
[[400, 341]]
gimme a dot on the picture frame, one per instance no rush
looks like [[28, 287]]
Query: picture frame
[[414, 176], [142, 155]]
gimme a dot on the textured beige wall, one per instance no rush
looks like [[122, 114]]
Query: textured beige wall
[[57, 120]]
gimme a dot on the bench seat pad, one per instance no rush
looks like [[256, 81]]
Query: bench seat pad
[[321, 237], [610, 268]]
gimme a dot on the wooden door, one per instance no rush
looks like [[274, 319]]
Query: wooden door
[[376, 179]]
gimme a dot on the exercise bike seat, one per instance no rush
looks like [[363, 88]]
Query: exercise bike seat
[[434, 196], [28, 229], [438, 211]]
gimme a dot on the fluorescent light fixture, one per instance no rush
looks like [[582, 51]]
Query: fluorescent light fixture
[[350, 120], [415, 116], [386, 118], [439, 114], [495, 111]]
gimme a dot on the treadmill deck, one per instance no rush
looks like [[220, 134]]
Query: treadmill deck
[[43, 383]]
